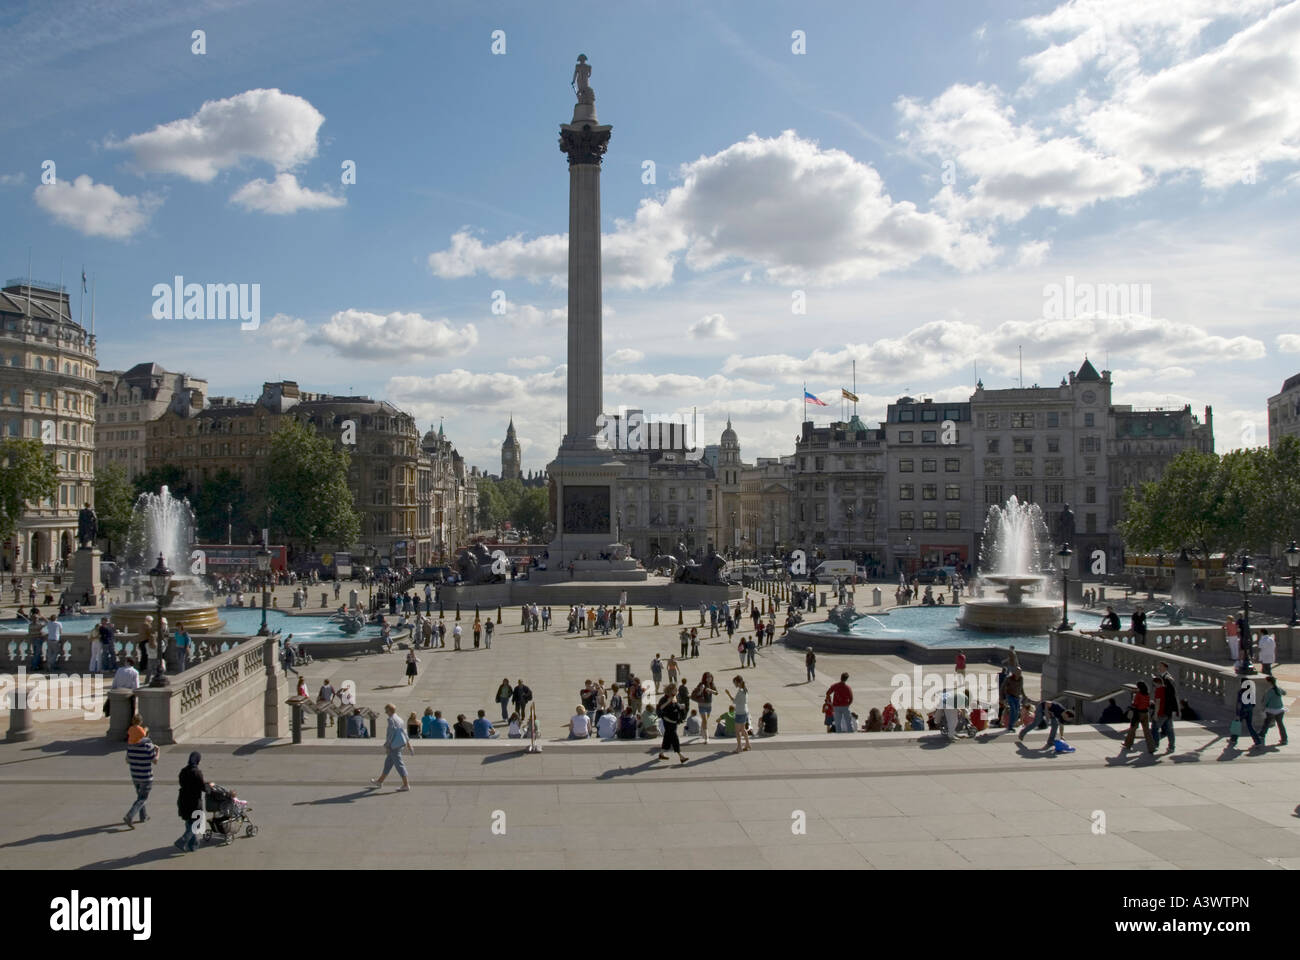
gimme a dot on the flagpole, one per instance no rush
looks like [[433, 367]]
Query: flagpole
[[92, 306], [81, 300], [61, 290], [855, 387]]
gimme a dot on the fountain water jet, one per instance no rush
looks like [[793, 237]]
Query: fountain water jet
[[1016, 540]]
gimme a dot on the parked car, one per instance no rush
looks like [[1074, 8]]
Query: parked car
[[432, 574], [931, 575]]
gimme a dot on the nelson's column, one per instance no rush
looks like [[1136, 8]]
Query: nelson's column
[[584, 470]]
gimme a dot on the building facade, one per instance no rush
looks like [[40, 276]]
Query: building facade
[[838, 503], [766, 488], [1284, 411], [510, 455], [129, 400], [48, 392], [932, 516]]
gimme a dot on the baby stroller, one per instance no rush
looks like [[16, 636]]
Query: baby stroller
[[227, 813], [963, 725]]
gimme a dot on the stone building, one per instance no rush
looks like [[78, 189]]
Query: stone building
[[1141, 444], [838, 504], [129, 400], [730, 513], [48, 392], [1048, 445], [765, 496], [510, 455], [1284, 411], [398, 488], [933, 519]]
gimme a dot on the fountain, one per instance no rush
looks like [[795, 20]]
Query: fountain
[[1016, 539], [161, 524]]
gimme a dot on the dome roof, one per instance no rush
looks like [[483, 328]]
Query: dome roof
[[729, 435]]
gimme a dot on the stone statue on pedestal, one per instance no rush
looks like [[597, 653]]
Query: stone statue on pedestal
[[87, 527], [1065, 526], [581, 74]]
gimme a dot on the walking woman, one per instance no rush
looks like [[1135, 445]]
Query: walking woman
[[189, 801], [411, 669], [394, 742], [741, 700], [1245, 716], [1140, 710], [703, 695], [504, 693], [1273, 710], [671, 713]]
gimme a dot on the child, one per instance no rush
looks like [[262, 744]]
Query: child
[[828, 714], [693, 724]]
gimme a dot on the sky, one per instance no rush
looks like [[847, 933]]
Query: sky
[[789, 189]]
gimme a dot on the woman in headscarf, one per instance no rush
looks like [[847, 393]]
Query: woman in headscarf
[[189, 800]]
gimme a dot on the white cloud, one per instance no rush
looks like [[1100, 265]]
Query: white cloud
[[528, 363], [1008, 168], [1288, 342], [625, 356], [283, 195], [287, 333], [478, 390], [96, 210], [712, 327], [783, 204], [268, 125], [13, 179], [356, 333], [1033, 253]]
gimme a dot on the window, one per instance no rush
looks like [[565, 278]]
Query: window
[[905, 466], [929, 466], [951, 413], [1055, 493], [904, 436], [819, 464], [905, 491], [952, 519], [930, 491], [1089, 494], [993, 421], [1053, 419], [1053, 444], [1024, 468], [1090, 444], [929, 436], [672, 513], [929, 520], [952, 491], [952, 465], [1022, 445], [1021, 421], [672, 493], [1090, 523], [1024, 492], [991, 445], [993, 469], [819, 513], [929, 416], [907, 520], [1090, 465], [1054, 468], [1088, 420], [906, 416]]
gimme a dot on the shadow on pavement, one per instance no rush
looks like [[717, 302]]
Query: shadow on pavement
[[118, 827], [148, 856], [343, 797], [509, 755]]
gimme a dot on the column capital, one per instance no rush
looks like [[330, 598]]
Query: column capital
[[584, 143]]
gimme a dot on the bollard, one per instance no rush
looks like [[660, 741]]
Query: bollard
[[679, 616], [295, 723], [324, 600], [458, 611], [20, 718], [372, 726], [320, 725], [476, 613], [629, 615], [498, 615], [656, 616], [442, 614]]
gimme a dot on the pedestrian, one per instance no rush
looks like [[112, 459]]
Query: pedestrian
[[960, 665], [703, 695], [97, 645], [1245, 715], [1267, 651], [751, 649], [395, 741], [657, 671], [740, 649], [695, 643], [487, 633], [841, 699], [504, 693], [455, 636], [671, 714], [189, 802], [686, 643], [1274, 710], [619, 621], [141, 757], [521, 696], [741, 701], [1138, 624], [478, 632], [673, 669], [1164, 705], [1057, 716], [412, 670], [1139, 712], [1013, 691], [810, 664]]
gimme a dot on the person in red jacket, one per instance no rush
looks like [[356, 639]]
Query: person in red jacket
[[961, 663], [841, 695]]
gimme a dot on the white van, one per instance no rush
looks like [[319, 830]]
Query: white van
[[828, 570]]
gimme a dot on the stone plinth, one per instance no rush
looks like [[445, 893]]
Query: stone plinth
[[85, 572]]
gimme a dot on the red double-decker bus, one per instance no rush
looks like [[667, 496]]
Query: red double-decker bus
[[225, 559]]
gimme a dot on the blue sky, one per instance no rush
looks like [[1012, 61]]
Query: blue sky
[[919, 177]]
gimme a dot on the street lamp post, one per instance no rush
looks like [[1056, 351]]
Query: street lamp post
[[230, 524], [1293, 561], [1065, 557], [1245, 580], [264, 567], [160, 581]]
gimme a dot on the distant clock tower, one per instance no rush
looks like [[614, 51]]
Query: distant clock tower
[[510, 456]]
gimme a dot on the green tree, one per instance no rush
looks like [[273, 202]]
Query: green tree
[[532, 512], [114, 498], [224, 489], [27, 473], [171, 477], [307, 488]]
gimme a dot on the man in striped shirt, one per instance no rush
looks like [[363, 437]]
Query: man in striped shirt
[[141, 756]]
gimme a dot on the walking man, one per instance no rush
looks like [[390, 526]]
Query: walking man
[[841, 695], [1013, 691], [488, 627], [751, 649], [671, 713], [141, 757], [1165, 701], [810, 664], [394, 743], [657, 671]]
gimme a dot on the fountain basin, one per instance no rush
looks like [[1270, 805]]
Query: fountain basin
[[195, 617], [999, 616]]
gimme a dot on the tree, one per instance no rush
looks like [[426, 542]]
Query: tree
[[27, 473], [224, 489], [307, 488], [169, 476], [114, 500], [531, 513]]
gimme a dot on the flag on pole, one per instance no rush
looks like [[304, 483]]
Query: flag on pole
[[849, 396], [83, 281], [810, 398]]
